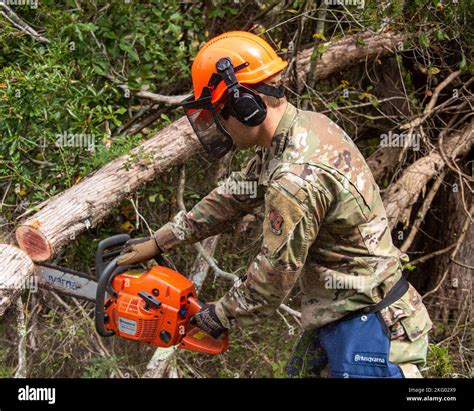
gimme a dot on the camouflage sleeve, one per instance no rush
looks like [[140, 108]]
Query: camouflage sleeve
[[237, 196], [294, 210]]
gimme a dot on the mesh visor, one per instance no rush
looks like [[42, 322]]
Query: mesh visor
[[204, 120]]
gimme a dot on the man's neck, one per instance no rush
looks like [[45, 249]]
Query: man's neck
[[269, 126]]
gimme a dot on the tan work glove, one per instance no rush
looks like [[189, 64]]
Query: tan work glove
[[138, 250]]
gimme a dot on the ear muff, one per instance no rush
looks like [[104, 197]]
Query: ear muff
[[245, 105], [249, 108]]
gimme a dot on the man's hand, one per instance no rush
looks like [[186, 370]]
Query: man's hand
[[206, 319], [138, 250]]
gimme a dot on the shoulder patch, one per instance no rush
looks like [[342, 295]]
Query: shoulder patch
[[276, 220], [282, 215]]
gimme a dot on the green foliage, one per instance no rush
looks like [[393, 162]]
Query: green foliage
[[100, 367], [5, 371], [409, 267], [439, 361], [59, 89]]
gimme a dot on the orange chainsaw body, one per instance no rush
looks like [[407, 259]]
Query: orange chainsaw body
[[161, 315]]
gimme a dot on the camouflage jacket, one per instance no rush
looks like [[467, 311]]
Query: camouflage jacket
[[325, 226]]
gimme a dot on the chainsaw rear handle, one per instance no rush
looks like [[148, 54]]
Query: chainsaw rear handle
[[103, 245], [197, 340]]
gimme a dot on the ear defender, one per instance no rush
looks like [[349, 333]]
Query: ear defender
[[249, 109], [245, 105]]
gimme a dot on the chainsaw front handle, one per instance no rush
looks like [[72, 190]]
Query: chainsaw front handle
[[104, 286], [103, 245]]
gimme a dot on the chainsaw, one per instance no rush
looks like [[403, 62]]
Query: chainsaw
[[152, 306]]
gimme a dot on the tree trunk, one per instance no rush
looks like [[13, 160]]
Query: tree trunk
[[348, 51], [453, 300]]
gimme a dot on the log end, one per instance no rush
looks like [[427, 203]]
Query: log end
[[17, 268], [33, 242]]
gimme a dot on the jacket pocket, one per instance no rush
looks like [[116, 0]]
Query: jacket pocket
[[408, 316], [417, 324]]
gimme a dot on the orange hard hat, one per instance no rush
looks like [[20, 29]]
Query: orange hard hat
[[240, 47]]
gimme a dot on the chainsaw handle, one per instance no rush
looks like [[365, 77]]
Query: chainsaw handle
[[102, 246], [104, 286], [194, 306], [197, 340]]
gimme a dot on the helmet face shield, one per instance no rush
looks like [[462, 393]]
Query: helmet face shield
[[204, 119]]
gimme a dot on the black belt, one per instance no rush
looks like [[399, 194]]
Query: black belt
[[395, 293]]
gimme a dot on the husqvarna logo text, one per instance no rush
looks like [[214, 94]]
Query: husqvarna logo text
[[369, 359]]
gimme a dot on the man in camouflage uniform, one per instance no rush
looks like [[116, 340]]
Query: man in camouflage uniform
[[326, 229]]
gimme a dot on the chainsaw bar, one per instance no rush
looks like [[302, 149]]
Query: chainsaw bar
[[66, 281]]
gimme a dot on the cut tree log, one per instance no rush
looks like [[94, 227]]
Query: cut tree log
[[403, 194], [17, 269], [82, 206]]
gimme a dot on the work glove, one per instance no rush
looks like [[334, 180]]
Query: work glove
[[138, 250], [206, 319]]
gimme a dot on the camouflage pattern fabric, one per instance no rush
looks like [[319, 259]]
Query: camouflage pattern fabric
[[325, 228]]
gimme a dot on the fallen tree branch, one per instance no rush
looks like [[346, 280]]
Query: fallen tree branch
[[430, 106], [17, 22], [161, 98], [402, 194], [290, 311], [148, 95], [427, 257], [21, 371]]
